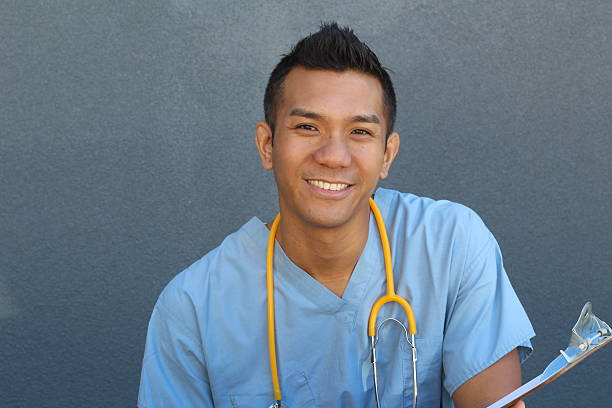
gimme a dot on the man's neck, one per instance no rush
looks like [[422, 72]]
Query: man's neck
[[327, 254]]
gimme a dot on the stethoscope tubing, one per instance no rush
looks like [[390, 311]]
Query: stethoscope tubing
[[390, 296]]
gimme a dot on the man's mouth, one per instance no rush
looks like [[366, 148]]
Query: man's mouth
[[329, 186]]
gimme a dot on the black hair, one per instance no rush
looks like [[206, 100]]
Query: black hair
[[336, 49]]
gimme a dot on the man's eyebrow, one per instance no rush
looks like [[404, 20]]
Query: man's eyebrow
[[306, 114], [371, 118], [366, 118]]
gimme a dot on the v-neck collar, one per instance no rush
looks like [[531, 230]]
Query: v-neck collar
[[370, 263]]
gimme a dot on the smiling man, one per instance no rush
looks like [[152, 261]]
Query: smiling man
[[328, 137]]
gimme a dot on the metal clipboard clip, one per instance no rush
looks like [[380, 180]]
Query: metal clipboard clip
[[589, 334]]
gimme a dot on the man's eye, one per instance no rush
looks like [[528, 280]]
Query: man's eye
[[307, 127], [362, 132]]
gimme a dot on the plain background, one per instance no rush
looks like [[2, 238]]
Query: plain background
[[126, 153]]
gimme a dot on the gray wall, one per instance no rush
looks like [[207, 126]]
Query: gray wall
[[126, 153]]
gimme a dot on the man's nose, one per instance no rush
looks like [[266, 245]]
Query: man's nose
[[334, 152]]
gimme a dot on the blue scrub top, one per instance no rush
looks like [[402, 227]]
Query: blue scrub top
[[207, 342]]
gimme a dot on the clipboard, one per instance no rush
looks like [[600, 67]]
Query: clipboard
[[589, 334]]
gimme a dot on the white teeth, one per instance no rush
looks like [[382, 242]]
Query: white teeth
[[328, 186]]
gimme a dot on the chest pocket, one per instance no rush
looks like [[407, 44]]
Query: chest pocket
[[394, 367], [429, 371], [296, 392]]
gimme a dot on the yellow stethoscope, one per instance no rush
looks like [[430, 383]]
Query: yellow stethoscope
[[391, 296]]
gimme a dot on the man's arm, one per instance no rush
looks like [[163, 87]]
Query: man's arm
[[485, 321], [491, 384]]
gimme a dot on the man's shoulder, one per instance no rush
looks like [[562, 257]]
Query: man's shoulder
[[436, 222], [227, 260], [425, 210]]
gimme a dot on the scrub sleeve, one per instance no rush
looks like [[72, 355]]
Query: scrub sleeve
[[485, 320], [173, 369]]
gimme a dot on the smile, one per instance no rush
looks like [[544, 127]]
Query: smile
[[328, 186]]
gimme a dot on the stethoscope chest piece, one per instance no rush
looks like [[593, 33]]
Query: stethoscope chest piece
[[277, 404]]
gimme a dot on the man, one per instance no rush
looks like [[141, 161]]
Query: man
[[328, 137]]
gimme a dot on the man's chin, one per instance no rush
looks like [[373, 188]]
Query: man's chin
[[327, 219], [324, 214]]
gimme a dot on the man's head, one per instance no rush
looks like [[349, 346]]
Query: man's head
[[332, 49], [327, 136]]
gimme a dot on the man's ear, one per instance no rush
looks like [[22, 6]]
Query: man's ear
[[263, 141], [393, 144]]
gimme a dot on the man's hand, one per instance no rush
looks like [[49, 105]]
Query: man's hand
[[491, 384]]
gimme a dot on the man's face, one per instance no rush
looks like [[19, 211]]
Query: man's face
[[329, 145]]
